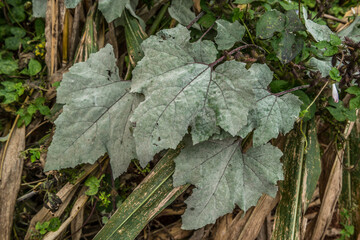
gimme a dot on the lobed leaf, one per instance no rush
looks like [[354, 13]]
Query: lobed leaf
[[272, 114], [181, 12], [224, 176], [228, 33], [179, 85], [95, 117]]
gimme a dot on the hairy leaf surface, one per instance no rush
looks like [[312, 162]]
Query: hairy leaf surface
[[95, 117], [179, 84], [319, 32], [224, 176], [39, 8], [181, 12], [323, 66], [228, 33], [273, 114]]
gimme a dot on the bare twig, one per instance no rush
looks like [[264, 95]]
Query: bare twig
[[234, 51], [207, 31], [195, 20], [290, 90], [334, 18]]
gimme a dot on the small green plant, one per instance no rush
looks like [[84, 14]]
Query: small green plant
[[49, 226], [140, 169], [11, 91], [105, 199], [348, 230], [26, 114], [33, 153], [94, 184]]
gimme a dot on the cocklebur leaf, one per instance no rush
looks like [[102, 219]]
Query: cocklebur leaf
[[275, 115], [269, 23], [319, 32], [179, 83], [95, 117], [228, 33], [204, 126], [272, 114], [181, 12], [224, 176]]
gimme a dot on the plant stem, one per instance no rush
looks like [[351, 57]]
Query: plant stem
[[207, 31], [291, 90], [322, 89], [247, 30], [232, 52], [195, 20], [158, 19]]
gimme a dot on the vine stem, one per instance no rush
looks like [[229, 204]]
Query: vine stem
[[232, 52], [195, 19], [207, 31], [322, 89]]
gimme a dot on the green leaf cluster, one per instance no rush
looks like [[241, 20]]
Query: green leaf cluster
[[289, 44], [340, 112], [49, 226], [26, 114], [354, 102], [94, 184], [11, 91]]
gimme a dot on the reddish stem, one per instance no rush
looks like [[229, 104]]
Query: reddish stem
[[195, 20], [211, 65]]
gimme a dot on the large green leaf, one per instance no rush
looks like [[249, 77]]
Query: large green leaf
[[111, 9], [319, 32], [272, 114], [95, 118], [224, 176], [228, 34], [181, 12], [323, 66], [269, 23], [293, 22], [179, 82], [288, 47]]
